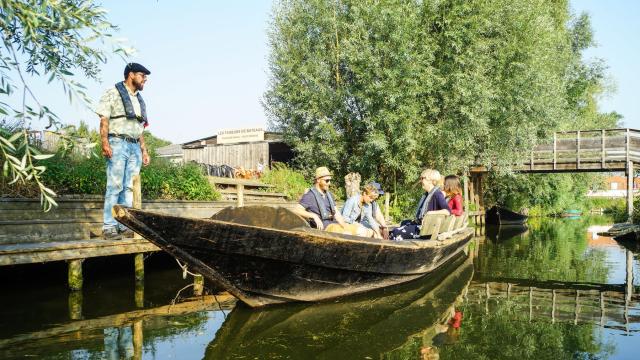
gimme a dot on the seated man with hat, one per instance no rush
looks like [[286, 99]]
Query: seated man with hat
[[318, 204]]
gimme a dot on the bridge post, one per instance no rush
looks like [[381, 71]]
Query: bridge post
[[630, 173]]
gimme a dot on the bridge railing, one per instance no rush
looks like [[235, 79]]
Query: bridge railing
[[590, 150]]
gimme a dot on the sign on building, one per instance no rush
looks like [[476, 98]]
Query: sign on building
[[234, 136]]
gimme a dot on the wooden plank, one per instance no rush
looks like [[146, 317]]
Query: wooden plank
[[232, 181], [578, 150], [71, 250], [603, 147]]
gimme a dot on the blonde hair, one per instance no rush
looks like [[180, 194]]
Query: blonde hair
[[371, 191], [432, 175]]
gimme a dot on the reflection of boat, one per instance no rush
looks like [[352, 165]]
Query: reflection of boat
[[505, 232], [389, 321], [572, 213], [265, 255], [501, 216]]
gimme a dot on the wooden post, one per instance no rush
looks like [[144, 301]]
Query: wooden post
[[240, 195], [137, 199], [137, 340], [629, 278], [139, 294], [601, 308], [603, 153], [139, 267], [630, 190], [387, 199], [466, 190], [75, 305], [627, 143], [578, 150], [553, 306], [577, 308], [530, 303], [198, 285], [75, 274], [555, 147]]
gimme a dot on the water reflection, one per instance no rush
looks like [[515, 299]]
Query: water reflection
[[397, 323], [555, 291]]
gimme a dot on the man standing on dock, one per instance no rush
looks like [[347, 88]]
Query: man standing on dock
[[123, 117]]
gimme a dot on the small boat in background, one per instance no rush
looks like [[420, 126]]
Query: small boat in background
[[502, 216], [572, 213]]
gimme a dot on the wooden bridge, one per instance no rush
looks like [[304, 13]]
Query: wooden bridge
[[602, 150]]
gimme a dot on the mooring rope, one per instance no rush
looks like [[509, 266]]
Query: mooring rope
[[184, 270]]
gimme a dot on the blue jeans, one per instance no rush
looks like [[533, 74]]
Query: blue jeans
[[123, 165]]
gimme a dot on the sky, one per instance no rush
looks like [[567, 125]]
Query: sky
[[209, 63]]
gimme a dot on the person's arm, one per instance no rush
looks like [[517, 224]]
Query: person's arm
[[380, 217], [104, 137], [441, 204], [338, 217], [457, 209], [145, 154], [301, 211]]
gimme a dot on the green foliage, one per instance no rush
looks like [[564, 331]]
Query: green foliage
[[387, 88], [81, 175], [164, 180], [290, 182], [47, 38], [541, 194], [152, 142]]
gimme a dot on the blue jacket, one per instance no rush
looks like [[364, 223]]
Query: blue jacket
[[352, 212]]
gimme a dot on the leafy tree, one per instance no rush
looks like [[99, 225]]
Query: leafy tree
[[45, 38], [385, 88]]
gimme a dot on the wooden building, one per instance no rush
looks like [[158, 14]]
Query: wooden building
[[239, 148]]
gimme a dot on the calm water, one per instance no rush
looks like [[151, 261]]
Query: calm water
[[552, 291]]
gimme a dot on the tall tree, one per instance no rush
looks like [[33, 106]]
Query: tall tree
[[384, 88]]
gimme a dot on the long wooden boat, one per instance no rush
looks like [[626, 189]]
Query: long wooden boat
[[501, 216], [268, 255], [391, 323]]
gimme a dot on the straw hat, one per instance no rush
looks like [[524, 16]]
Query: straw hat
[[323, 172]]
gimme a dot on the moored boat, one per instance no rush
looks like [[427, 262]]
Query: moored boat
[[266, 255], [501, 216]]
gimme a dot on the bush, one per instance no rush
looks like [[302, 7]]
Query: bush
[[290, 182], [78, 175], [164, 180]]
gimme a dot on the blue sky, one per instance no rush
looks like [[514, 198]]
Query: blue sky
[[209, 66]]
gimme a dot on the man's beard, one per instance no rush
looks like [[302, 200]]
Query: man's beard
[[138, 85]]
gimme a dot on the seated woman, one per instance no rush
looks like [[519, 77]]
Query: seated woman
[[454, 194], [358, 209], [432, 202]]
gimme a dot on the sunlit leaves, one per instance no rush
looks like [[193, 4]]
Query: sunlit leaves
[[58, 39]]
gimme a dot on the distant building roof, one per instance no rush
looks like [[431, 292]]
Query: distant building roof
[[269, 136], [170, 150]]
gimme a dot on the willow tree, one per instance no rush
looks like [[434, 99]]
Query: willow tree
[[384, 88], [54, 39]]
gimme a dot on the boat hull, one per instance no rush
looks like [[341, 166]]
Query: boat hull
[[501, 216], [264, 266]]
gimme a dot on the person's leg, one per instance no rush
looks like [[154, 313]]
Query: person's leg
[[115, 176], [132, 168]]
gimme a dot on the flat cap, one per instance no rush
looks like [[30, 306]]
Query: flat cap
[[135, 67]]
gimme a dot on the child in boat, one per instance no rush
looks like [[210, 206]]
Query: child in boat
[[358, 209], [453, 194], [432, 202]]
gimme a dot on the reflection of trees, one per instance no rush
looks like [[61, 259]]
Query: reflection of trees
[[505, 332], [556, 250]]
